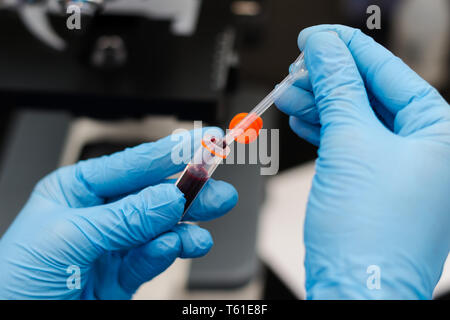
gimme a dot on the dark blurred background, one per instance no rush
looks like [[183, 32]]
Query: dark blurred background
[[186, 60], [266, 44]]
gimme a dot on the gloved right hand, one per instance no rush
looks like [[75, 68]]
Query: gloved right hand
[[380, 202]]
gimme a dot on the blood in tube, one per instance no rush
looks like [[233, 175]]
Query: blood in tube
[[192, 182]]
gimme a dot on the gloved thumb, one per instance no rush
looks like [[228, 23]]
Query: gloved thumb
[[338, 88], [131, 221]]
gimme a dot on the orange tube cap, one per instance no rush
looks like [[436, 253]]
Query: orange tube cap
[[251, 133]]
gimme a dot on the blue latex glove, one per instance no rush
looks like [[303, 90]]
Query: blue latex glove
[[380, 195], [70, 222]]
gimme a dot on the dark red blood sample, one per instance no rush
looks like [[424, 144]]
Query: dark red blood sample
[[191, 183]]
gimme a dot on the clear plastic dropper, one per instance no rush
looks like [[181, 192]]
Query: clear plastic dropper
[[297, 70]]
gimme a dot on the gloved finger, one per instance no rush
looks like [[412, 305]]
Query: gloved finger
[[131, 221], [305, 130], [339, 91], [147, 261], [132, 169], [383, 114], [143, 263], [300, 103], [195, 241], [301, 81], [404, 93], [119, 197], [215, 199]]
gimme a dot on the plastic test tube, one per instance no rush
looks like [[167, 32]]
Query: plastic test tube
[[201, 167], [214, 149]]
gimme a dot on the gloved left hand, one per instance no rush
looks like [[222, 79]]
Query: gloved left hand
[[102, 227]]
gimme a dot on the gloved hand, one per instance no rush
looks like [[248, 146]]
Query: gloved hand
[[379, 207], [110, 223]]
